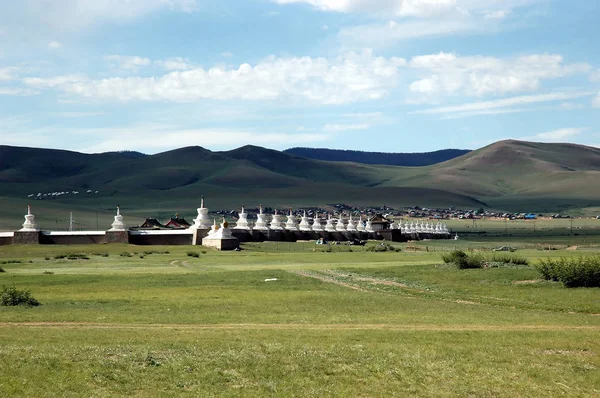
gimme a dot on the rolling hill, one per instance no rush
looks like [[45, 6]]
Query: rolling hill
[[391, 159], [511, 175]]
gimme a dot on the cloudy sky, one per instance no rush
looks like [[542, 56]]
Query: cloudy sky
[[380, 75]]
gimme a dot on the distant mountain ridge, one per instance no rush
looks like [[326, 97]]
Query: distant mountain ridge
[[384, 158], [505, 175]]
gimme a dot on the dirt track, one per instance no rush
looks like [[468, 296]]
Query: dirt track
[[296, 326]]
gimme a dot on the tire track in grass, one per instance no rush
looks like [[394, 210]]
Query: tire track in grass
[[326, 279]]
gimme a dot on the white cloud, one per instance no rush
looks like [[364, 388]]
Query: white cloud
[[175, 63], [476, 108], [378, 35], [419, 8], [595, 76], [53, 82], [130, 63], [498, 14], [559, 135], [569, 106], [73, 115], [596, 101], [349, 78], [336, 128], [54, 45], [364, 115], [226, 54], [449, 74], [17, 91], [68, 15], [7, 73], [412, 19]]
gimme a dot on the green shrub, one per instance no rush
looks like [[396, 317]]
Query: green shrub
[[471, 262], [508, 259], [77, 256], [125, 254], [454, 257], [193, 254], [550, 269], [572, 272], [382, 247], [100, 254], [463, 261], [2, 270], [11, 296], [11, 262], [48, 273]]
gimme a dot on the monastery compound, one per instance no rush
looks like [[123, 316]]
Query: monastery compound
[[207, 232]]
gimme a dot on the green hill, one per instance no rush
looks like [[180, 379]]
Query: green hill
[[512, 175]]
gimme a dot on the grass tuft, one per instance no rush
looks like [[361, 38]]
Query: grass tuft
[[193, 254]]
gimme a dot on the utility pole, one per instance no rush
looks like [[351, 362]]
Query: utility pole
[[571, 225]]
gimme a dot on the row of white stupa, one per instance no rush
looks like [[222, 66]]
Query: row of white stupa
[[203, 221]]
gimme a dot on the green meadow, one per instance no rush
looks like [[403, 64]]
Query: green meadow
[[299, 319]]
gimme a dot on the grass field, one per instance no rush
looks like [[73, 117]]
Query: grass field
[[339, 323]]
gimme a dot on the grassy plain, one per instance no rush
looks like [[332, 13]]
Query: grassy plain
[[339, 323]]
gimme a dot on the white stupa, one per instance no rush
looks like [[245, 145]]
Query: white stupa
[[202, 221], [291, 223], [329, 227], [360, 226], [220, 237], [340, 224], [276, 222], [304, 224], [418, 228], [29, 225], [118, 224], [261, 222], [242, 222], [317, 224], [351, 226], [445, 229], [369, 227]]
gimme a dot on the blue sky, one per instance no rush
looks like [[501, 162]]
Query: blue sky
[[375, 75]]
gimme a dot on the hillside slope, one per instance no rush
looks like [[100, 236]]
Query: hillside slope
[[515, 168], [506, 172], [383, 158]]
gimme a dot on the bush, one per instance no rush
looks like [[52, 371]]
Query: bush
[[193, 254], [48, 273], [125, 254], [2, 270], [572, 272], [77, 256], [383, 247], [462, 261], [11, 296], [11, 262], [100, 254]]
